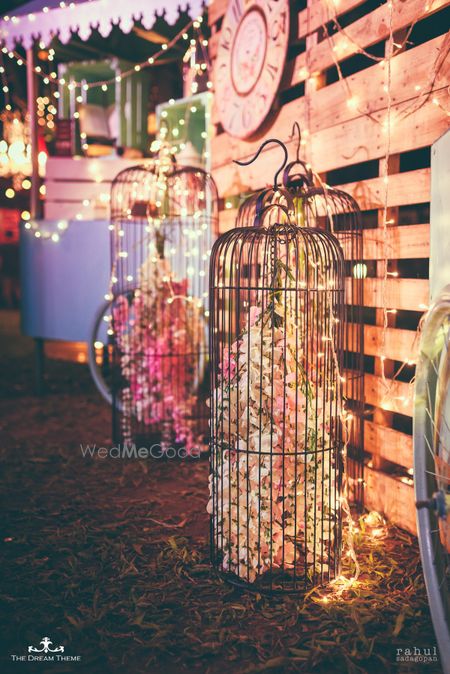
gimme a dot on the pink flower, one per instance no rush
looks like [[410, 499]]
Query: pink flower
[[228, 364], [254, 314]]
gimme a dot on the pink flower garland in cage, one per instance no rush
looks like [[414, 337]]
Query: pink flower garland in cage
[[161, 336]]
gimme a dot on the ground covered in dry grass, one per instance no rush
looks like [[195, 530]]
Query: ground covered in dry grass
[[110, 558]]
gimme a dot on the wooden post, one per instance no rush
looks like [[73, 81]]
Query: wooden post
[[35, 209]]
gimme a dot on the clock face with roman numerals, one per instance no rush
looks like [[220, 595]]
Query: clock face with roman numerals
[[250, 62]]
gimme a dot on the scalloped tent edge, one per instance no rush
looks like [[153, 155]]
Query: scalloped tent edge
[[39, 20]]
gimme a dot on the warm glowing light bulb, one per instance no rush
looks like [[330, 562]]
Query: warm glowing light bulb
[[360, 270]]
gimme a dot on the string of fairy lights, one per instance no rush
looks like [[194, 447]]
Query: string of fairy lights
[[420, 94], [103, 84], [389, 399], [47, 111]]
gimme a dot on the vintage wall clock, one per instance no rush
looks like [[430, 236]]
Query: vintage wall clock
[[250, 63]]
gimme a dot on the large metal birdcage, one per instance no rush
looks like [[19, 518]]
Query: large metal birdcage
[[314, 204], [163, 222], [276, 345]]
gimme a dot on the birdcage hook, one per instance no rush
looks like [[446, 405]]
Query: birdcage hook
[[305, 176], [296, 128], [260, 149]]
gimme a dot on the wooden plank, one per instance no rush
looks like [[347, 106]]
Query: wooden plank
[[330, 104], [86, 168], [370, 195], [389, 444], [319, 12], [396, 396], [411, 187], [70, 190], [355, 141], [407, 294], [399, 344], [391, 497], [216, 10], [385, 367], [363, 33], [402, 243]]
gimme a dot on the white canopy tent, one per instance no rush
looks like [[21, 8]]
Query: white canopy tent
[[45, 19]]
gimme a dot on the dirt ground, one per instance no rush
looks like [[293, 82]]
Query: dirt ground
[[110, 558]]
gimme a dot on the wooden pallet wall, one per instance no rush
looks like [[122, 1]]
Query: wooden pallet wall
[[338, 135]]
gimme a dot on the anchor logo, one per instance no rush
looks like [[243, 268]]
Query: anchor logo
[[46, 647]]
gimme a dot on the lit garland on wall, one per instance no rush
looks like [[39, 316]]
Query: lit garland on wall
[[419, 96], [41, 230], [46, 116], [179, 131], [52, 77], [4, 84]]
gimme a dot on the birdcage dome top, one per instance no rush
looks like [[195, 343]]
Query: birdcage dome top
[[163, 189], [274, 240]]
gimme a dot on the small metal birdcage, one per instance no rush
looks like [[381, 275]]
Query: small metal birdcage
[[314, 204], [276, 345], [163, 222]]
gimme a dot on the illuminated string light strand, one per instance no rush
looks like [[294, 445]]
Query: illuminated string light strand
[[332, 5], [346, 418], [103, 84], [393, 48], [417, 102], [389, 50], [32, 17], [5, 87]]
